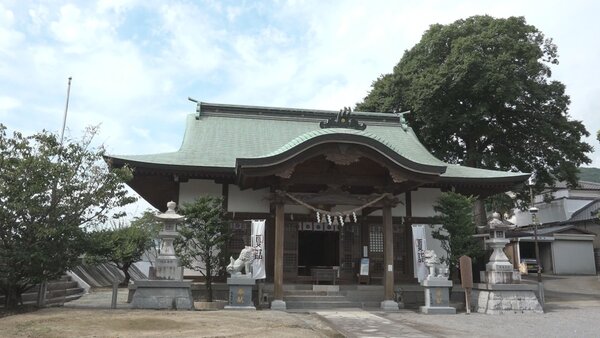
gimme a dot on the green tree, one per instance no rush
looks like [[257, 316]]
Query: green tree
[[480, 94], [122, 245], [456, 235], [48, 193], [202, 245]]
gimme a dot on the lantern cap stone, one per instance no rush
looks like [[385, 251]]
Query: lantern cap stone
[[170, 214]]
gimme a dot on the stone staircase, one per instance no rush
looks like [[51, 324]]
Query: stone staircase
[[58, 292], [331, 297]]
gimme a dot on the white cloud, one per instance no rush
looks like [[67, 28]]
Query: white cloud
[[134, 62], [7, 104], [9, 36], [81, 32], [193, 45]]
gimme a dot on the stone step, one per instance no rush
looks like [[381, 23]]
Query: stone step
[[310, 292], [322, 305], [314, 298]]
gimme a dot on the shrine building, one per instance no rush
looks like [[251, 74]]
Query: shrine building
[[334, 187]]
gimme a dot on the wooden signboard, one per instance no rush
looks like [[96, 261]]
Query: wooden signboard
[[466, 278]]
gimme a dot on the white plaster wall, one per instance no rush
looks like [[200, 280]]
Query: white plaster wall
[[423, 200], [557, 194], [247, 200], [571, 206], [192, 189]]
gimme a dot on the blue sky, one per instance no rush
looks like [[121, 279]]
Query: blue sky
[[134, 63]]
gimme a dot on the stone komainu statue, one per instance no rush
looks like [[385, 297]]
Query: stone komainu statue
[[244, 261], [432, 261]]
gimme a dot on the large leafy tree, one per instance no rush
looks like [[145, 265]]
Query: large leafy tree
[[48, 193], [202, 244], [480, 94], [123, 244]]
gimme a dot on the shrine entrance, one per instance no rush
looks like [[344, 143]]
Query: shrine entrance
[[317, 250]]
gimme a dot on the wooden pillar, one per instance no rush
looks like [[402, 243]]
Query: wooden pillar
[[388, 250], [408, 229], [278, 303]]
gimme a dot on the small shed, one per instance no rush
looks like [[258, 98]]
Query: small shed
[[564, 249]]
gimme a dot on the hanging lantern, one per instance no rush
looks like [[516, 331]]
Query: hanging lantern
[[347, 219], [334, 220], [354, 215], [318, 217]]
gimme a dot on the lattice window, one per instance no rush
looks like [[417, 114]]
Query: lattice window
[[376, 238], [240, 236], [290, 262], [290, 239], [377, 268]]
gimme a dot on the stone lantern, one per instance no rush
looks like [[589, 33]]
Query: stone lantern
[[167, 264], [167, 290], [500, 290], [498, 270]]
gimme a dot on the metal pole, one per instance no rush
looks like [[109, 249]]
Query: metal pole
[[537, 251], [62, 133]]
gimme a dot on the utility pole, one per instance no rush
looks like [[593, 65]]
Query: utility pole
[[533, 211], [64, 125]]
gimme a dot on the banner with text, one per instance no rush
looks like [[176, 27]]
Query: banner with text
[[419, 247], [257, 239]]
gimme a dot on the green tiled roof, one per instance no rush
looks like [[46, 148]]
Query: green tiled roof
[[217, 137]]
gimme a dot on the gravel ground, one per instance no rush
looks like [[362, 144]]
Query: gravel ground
[[572, 310]]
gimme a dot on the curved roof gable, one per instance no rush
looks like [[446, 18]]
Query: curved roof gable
[[220, 134], [342, 135]]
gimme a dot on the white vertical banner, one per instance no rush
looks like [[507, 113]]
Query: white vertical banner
[[419, 247], [257, 239]]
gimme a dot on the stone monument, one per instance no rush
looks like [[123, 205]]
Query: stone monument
[[437, 286], [240, 285], [167, 289], [501, 291]]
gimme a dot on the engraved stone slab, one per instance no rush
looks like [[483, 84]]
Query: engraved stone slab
[[163, 294], [240, 293]]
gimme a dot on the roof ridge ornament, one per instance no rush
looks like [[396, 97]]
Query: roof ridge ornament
[[402, 120], [343, 120]]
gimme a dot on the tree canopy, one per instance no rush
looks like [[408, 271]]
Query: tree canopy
[[123, 244], [456, 235], [480, 94], [48, 193], [203, 240]]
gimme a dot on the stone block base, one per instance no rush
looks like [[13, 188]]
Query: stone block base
[[389, 305], [240, 293], [505, 299], [229, 307], [163, 295], [438, 310], [278, 305]]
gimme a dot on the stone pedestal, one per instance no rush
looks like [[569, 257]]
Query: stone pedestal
[[167, 290], [437, 296], [505, 298], [240, 293], [279, 305], [390, 306], [163, 295]]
